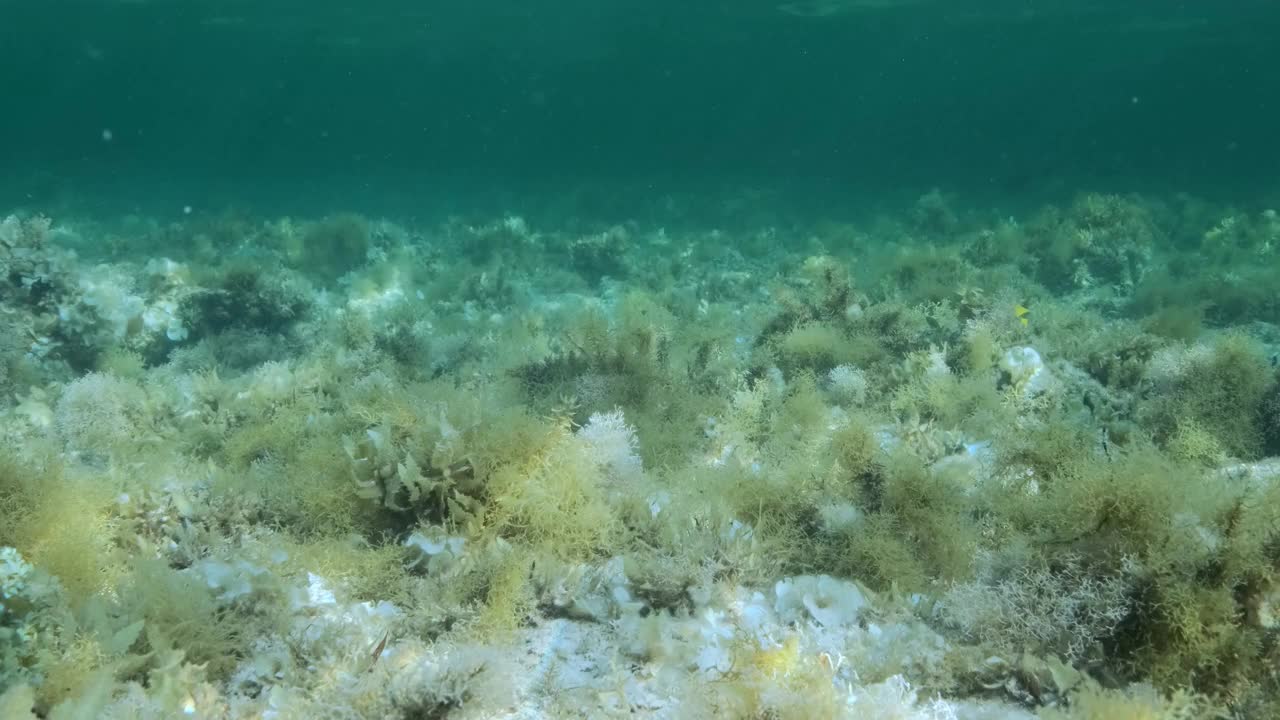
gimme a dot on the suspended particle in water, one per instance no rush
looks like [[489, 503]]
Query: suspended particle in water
[[107, 135]]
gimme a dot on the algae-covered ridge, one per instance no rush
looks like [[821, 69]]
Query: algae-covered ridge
[[943, 463]]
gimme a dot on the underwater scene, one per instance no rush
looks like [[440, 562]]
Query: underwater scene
[[747, 359]]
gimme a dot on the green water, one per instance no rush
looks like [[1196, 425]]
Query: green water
[[290, 102]]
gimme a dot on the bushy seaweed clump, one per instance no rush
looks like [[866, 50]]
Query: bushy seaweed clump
[[1217, 390]]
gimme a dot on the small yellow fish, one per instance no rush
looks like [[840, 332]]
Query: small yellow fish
[[1021, 313]]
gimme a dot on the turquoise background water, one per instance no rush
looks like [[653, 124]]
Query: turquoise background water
[[388, 102]]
